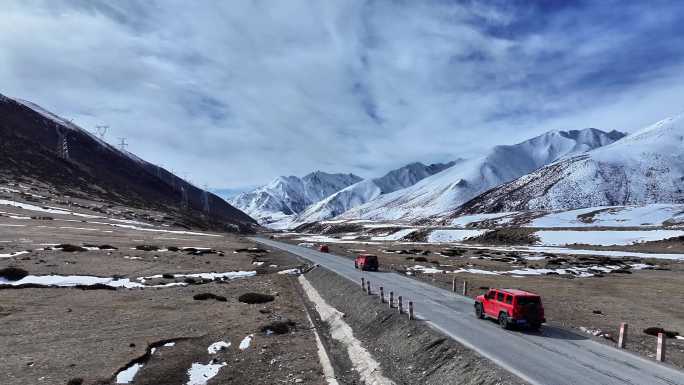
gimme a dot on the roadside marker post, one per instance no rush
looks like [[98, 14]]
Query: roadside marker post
[[369, 287], [391, 299], [382, 295], [622, 340], [363, 283], [660, 350], [453, 285], [400, 306], [465, 287], [411, 317]]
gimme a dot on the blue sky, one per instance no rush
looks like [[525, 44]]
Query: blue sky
[[234, 93]]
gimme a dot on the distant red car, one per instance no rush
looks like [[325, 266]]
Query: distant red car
[[366, 262], [511, 307], [324, 249]]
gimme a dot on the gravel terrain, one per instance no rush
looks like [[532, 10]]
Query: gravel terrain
[[642, 298]]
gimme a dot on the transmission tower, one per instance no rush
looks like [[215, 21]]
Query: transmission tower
[[122, 144], [101, 130], [205, 199], [62, 144]]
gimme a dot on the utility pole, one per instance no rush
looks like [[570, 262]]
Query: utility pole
[[101, 130], [122, 144]]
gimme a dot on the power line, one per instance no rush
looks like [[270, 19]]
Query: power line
[[101, 130]]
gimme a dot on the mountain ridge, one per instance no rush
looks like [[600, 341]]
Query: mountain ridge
[[444, 191], [278, 202], [642, 168], [369, 189]]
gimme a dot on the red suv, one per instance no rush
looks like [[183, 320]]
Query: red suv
[[511, 307], [366, 262], [324, 249]]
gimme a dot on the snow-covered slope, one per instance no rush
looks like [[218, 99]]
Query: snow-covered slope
[[278, 202], [369, 189], [446, 190], [645, 167]]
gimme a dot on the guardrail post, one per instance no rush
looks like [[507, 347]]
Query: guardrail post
[[622, 340], [391, 299], [363, 283], [411, 310], [369, 287], [453, 285], [465, 287], [400, 306], [660, 351], [382, 295]]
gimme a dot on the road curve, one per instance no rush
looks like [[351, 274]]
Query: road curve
[[551, 357]]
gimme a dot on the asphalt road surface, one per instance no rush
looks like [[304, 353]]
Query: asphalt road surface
[[550, 357]]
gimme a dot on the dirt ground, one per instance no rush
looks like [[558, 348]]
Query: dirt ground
[[641, 298], [54, 335]]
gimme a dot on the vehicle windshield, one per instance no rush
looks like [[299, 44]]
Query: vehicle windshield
[[527, 300]]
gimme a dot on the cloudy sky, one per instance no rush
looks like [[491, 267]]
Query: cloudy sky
[[234, 93]]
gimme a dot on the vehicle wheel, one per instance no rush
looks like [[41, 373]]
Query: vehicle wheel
[[356, 265], [535, 326], [503, 321], [478, 311]]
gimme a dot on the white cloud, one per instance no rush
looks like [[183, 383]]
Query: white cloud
[[234, 93]]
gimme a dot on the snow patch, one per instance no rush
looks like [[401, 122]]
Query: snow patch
[[395, 236], [200, 374], [218, 346], [14, 254], [127, 375], [453, 235], [246, 342], [604, 238]]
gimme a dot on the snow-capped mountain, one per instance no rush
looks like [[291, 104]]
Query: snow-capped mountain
[[369, 189], [443, 192], [278, 202], [643, 168]]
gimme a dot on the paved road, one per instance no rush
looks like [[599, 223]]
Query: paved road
[[552, 357]]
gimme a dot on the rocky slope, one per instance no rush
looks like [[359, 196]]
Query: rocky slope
[[443, 192], [32, 142], [642, 168]]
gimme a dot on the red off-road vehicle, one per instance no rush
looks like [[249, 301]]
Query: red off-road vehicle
[[324, 249], [366, 262], [511, 307]]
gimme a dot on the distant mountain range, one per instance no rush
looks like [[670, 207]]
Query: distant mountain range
[[369, 190], [417, 191], [34, 143], [278, 203], [643, 168], [447, 190]]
